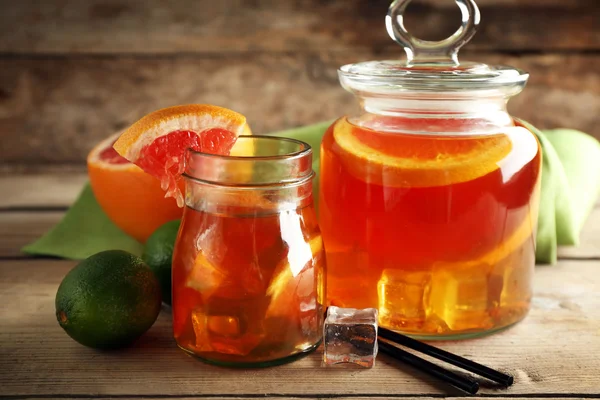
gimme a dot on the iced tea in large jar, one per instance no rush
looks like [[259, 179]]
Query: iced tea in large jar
[[429, 198], [248, 265]]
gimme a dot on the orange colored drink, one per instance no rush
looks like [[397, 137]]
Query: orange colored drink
[[436, 231], [248, 264]]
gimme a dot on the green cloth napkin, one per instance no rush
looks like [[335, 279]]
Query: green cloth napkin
[[570, 187], [579, 154]]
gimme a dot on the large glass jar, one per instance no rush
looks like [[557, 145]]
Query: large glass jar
[[248, 263], [429, 197]]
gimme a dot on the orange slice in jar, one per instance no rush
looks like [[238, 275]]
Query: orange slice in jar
[[408, 160], [157, 143], [284, 285], [522, 233]]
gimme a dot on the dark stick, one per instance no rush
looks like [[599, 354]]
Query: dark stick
[[461, 382], [476, 368]]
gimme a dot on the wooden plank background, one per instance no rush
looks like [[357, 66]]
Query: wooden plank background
[[73, 72]]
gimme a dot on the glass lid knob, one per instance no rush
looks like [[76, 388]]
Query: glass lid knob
[[424, 51]]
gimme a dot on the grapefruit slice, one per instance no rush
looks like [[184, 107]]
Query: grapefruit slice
[[405, 160], [132, 199], [157, 142]]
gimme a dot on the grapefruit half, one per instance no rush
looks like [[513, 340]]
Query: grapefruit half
[[132, 199]]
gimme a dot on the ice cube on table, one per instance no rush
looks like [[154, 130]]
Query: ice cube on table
[[459, 295], [403, 297], [350, 336]]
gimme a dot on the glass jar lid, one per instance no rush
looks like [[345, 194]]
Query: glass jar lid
[[431, 66]]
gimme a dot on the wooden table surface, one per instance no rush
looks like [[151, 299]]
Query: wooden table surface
[[553, 353]]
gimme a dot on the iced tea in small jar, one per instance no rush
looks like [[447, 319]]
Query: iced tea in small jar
[[429, 197], [248, 264]]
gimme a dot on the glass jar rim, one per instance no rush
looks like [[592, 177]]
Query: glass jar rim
[[254, 161], [306, 148]]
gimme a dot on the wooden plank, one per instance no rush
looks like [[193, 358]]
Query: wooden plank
[[141, 26], [59, 120], [533, 4], [40, 191], [20, 228], [552, 353], [303, 397]]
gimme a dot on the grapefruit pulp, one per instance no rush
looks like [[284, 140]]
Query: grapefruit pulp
[[157, 143]]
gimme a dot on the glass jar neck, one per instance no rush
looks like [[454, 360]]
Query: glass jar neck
[[261, 175], [247, 200], [430, 114]]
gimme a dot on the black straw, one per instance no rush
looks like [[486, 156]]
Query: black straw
[[476, 368], [464, 383]]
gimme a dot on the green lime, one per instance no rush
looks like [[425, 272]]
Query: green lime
[[158, 254], [108, 300]]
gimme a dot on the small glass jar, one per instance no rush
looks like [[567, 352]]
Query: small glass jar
[[429, 197], [248, 263]]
